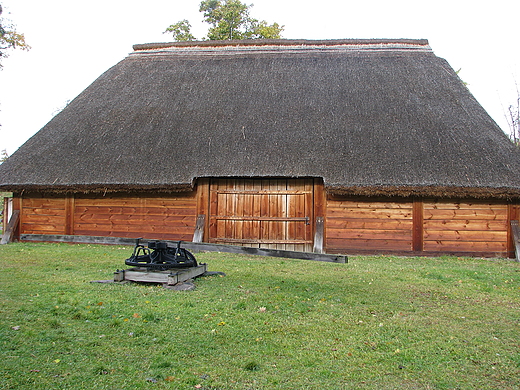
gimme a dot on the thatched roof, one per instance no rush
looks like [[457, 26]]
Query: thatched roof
[[371, 117]]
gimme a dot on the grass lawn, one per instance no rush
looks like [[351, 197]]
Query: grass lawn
[[378, 322]]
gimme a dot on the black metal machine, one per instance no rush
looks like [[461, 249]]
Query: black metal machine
[[159, 256]]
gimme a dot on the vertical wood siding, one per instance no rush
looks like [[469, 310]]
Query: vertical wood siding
[[267, 213], [371, 225], [466, 227]]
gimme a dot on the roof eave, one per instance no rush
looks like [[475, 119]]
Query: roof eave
[[407, 191], [96, 188]]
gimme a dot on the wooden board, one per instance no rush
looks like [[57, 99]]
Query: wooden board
[[516, 238], [7, 237], [191, 246], [169, 277], [198, 235]]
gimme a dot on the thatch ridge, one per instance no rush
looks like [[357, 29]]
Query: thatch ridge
[[395, 123], [278, 42]]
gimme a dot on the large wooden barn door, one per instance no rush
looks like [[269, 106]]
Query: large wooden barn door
[[267, 213]]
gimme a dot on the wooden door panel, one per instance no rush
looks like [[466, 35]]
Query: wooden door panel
[[275, 213]]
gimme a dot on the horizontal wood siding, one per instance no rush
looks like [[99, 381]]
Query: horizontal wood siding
[[169, 217], [42, 214], [275, 213], [465, 227], [361, 224]]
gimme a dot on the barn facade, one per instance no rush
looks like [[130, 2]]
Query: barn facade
[[344, 146]]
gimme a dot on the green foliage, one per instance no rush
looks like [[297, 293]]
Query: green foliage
[[378, 322], [10, 38], [181, 31], [261, 30], [229, 19]]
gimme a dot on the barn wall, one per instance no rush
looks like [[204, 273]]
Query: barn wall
[[352, 225], [356, 225], [161, 216], [466, 226], [472, 227], [42, 214]]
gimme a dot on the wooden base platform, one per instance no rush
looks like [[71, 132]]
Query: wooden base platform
[[169, 277]]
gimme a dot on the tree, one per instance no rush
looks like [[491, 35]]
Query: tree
[[513, 119], [229, 19], [9, 38], [181, 31]]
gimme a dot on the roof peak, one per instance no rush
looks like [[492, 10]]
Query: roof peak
[[285, 44]]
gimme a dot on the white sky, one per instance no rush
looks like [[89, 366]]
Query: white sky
[[74, 42]]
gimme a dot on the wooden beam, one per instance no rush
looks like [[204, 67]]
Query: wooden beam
[[259, 241], [11, 228], [5, 213], [69, 214], [203, 199], [418, 226], [318, 235], [513, 214], [320, 205], [198, 236], [169, 277], [192, 246], [17, 205], [516, 238]]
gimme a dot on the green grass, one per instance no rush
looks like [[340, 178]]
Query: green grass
[[375, 323]]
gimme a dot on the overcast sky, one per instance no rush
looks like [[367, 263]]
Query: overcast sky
[[74, 42]]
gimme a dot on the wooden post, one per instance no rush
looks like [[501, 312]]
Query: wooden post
[[203, 200], [512, 215], [320, 202], [198, 236], [318, 236], [11, 228], [5, 214], [17, 204], [418, 226], [69, 214], [516, 238]]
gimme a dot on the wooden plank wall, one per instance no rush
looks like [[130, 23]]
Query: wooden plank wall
[[419, 227], [372, 225], [352, 225], [470, 226], [42, 214], [167, 216]]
